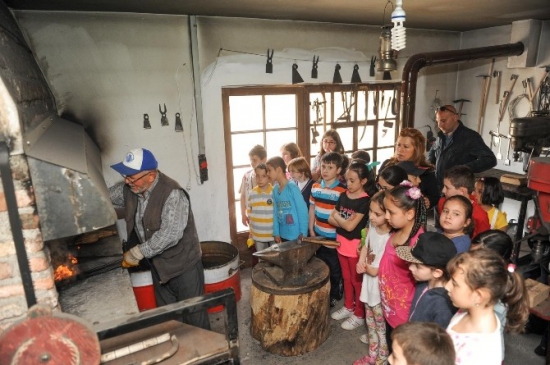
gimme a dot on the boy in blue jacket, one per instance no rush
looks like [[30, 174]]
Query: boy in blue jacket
[[428, 261], [290, 214]]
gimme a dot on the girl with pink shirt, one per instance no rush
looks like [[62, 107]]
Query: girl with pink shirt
[[406, 213], [349, 216]]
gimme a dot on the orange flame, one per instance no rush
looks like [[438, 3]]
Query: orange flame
[[66, 271]]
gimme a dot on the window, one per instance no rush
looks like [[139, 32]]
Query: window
[[365, 116]]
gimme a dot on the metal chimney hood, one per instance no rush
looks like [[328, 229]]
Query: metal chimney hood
[[65, 166]]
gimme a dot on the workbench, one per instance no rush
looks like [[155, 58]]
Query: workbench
[[519, 193]]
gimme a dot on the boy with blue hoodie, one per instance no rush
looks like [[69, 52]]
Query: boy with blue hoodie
[[290, 214], [428, 261]]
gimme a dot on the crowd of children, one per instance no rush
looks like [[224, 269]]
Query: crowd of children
[[406, 284]]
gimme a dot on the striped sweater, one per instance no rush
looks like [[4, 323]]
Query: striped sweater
[[260, 213], [324, 198]]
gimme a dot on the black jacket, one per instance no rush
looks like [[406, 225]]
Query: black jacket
[[466, 148], [433, 306]]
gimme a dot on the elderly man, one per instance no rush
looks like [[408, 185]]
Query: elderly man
[[457, 144], [158, 211]]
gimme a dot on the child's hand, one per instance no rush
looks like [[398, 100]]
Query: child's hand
[[358, 249], [361, 267], [245, 220], [427, 202], [277, 239]]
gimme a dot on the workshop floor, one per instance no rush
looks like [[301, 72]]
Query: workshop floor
[[342, 347]]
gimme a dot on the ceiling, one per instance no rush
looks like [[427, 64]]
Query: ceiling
[[455, 15]]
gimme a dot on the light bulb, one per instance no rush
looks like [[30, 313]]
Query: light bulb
[[398, 36]]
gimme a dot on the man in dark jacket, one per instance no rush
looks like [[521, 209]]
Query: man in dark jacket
[[457, 144], [158, 211]]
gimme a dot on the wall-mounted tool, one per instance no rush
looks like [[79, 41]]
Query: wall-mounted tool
[[543, 80], [372, 65], [316, 105], [179, 126], [394, 102], [497, 75], [505, 100], [507, 162], [146, 123], [387, 124], [269, 62], [163, 119], [484, 95], [203, 168], [366, 114], [314, 73], [461, 102]]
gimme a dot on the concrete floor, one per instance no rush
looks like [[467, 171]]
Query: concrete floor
[[343, 347]]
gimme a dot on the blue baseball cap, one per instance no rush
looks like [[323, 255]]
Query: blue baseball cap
[[137, 160]]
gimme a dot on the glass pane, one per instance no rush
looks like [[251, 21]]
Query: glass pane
[[386, 133], [361, 108], [367, 141], [245, 112], [275, 140], [238, 175], [343, 106], [346, 135], [280, 111], [383, 154], [242, 144], [371, 108], [315, 147]]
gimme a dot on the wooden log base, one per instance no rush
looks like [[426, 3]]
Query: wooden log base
[[291, 324]]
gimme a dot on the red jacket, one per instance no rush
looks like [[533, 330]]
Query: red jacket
[[479, 216]]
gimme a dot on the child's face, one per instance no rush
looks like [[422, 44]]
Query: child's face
[[298, 176], [255, 161], [449, 190], [376, 215], [415, 180], [329, 144], [478, 191], [272, 173], [421, 272], [353, 181], [286, 156], [383, 184], [261, 178], [329, 171], [453, 217], [460, 293], [397, 357], [397, 217]]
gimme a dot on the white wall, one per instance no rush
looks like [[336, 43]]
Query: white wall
[[108, 69]]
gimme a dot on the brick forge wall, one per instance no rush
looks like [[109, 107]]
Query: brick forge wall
[[25, 101]]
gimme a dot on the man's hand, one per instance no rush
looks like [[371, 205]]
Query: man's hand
[[132, 257]]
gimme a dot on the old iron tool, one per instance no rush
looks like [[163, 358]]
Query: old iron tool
[[314, 73], [146, 123], [497, 74], [269, 62], [179, 126], [461, 101], [507, 162], [163, 119], [372, 65]]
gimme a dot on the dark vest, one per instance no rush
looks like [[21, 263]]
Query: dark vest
[[187, 252]]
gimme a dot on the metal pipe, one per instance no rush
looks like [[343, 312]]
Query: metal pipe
[[420, 60]]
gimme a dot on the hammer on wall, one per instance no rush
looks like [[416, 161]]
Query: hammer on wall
[[461, 101], [484, 95]]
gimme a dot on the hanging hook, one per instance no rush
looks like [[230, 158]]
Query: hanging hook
[[269, 63]]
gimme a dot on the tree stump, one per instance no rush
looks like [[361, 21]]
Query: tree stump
[[288, 320]]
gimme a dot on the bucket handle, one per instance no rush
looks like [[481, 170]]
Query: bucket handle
[[232, 270]]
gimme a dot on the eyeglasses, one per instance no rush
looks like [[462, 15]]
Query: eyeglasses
[[445, 109], [326, 141], [133, 181], [382, 188]]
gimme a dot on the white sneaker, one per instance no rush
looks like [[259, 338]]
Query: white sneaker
[[364, 339], [341, 313], [353, 322]]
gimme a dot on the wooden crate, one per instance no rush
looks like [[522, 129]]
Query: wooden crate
[[537, 292]]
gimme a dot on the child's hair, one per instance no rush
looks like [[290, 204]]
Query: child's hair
[[400, 197], [378, 198], [261, 166], [277, 162], [393, 175], [258, 150], [496, 240], [468, 210], [486, 269], [461, 177], [492, 191], [336, 137], [424, 343], [345, 164], [364, 171], [333, 158], [361, 155], [300, 165], [293, 149]]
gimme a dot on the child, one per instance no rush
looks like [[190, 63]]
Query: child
[[460, 180], [257, 155], [456, 221], [413, 172], [361, 155], [390, 177], [428, 261], [290, 151], [290, 212], [417, 343], [369, 260], [323, 199], [260, 209], [331, 142], [349, 216], [406, 213], [479, 279], [301, 174], [489, 194]]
